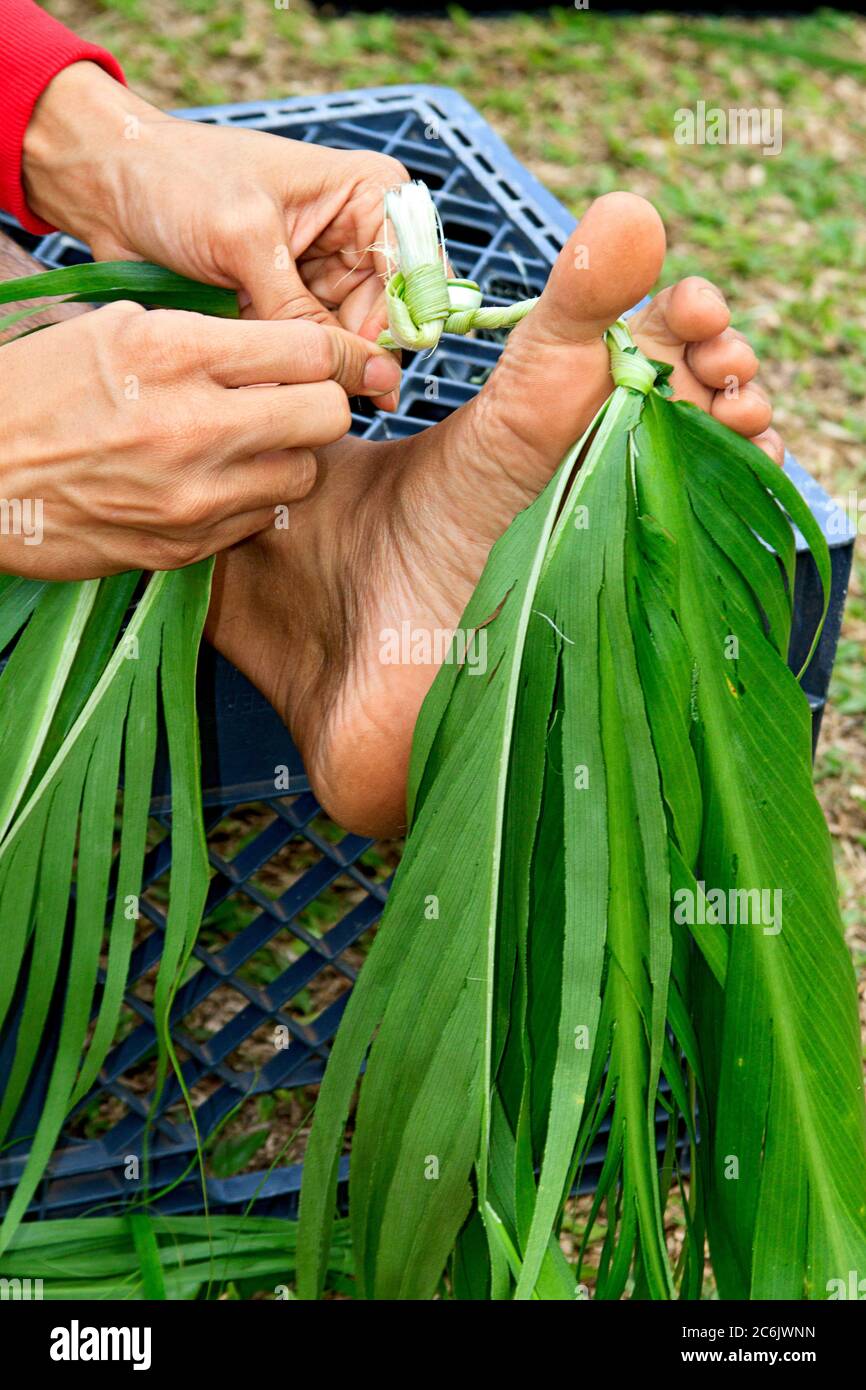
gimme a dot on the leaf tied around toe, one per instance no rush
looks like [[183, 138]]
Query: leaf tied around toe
[[539, 985]]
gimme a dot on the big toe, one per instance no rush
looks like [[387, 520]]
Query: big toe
[[555, 372], [610, 261]]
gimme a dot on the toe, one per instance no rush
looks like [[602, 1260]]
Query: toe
[[609, 263], [697, 310], [748, 412], [556, 368], [724, 362], [688, 312]]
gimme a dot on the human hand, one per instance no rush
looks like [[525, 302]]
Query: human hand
[[136, 440], [291, 226]]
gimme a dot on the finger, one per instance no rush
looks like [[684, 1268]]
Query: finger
[[239, 528], [265, 418], [365, 311], [263, 265], [252, 482], [748, 413], [333, 278], [278, 292], [390, 402], [723, 361], [267, 481], [373, 322], [237, 353], [772, 444], [129, 547]]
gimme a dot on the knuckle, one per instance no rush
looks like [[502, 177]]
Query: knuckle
[[160, 552], [246, 216], [113, 332], [122, 309], [339, 357], [389, 169], [312, 342], [188, 509], [182, 440], [164, 343], [336, 416], [165, 323], [299, 306], [171, 329], [303, 470]]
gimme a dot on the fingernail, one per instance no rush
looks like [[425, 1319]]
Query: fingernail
[[381, 374], [389, 402]]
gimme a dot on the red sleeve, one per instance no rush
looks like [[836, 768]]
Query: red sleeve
[[33, 49]]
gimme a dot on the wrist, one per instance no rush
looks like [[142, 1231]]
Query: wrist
[[81, 135]]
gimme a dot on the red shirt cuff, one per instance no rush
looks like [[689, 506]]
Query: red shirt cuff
[[34, 48]]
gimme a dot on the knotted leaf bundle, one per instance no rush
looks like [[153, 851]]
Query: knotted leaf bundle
[[617, 900]]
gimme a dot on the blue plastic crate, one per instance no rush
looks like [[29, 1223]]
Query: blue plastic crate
[[504, 231]]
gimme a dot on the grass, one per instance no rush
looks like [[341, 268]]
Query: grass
[[588, 103]]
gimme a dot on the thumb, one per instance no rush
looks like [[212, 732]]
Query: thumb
[[610, 261], [359, 366]]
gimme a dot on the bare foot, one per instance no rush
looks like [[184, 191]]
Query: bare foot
[[396, 533]]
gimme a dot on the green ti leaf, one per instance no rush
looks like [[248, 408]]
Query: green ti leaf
[[623, 756], [92, 729]]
